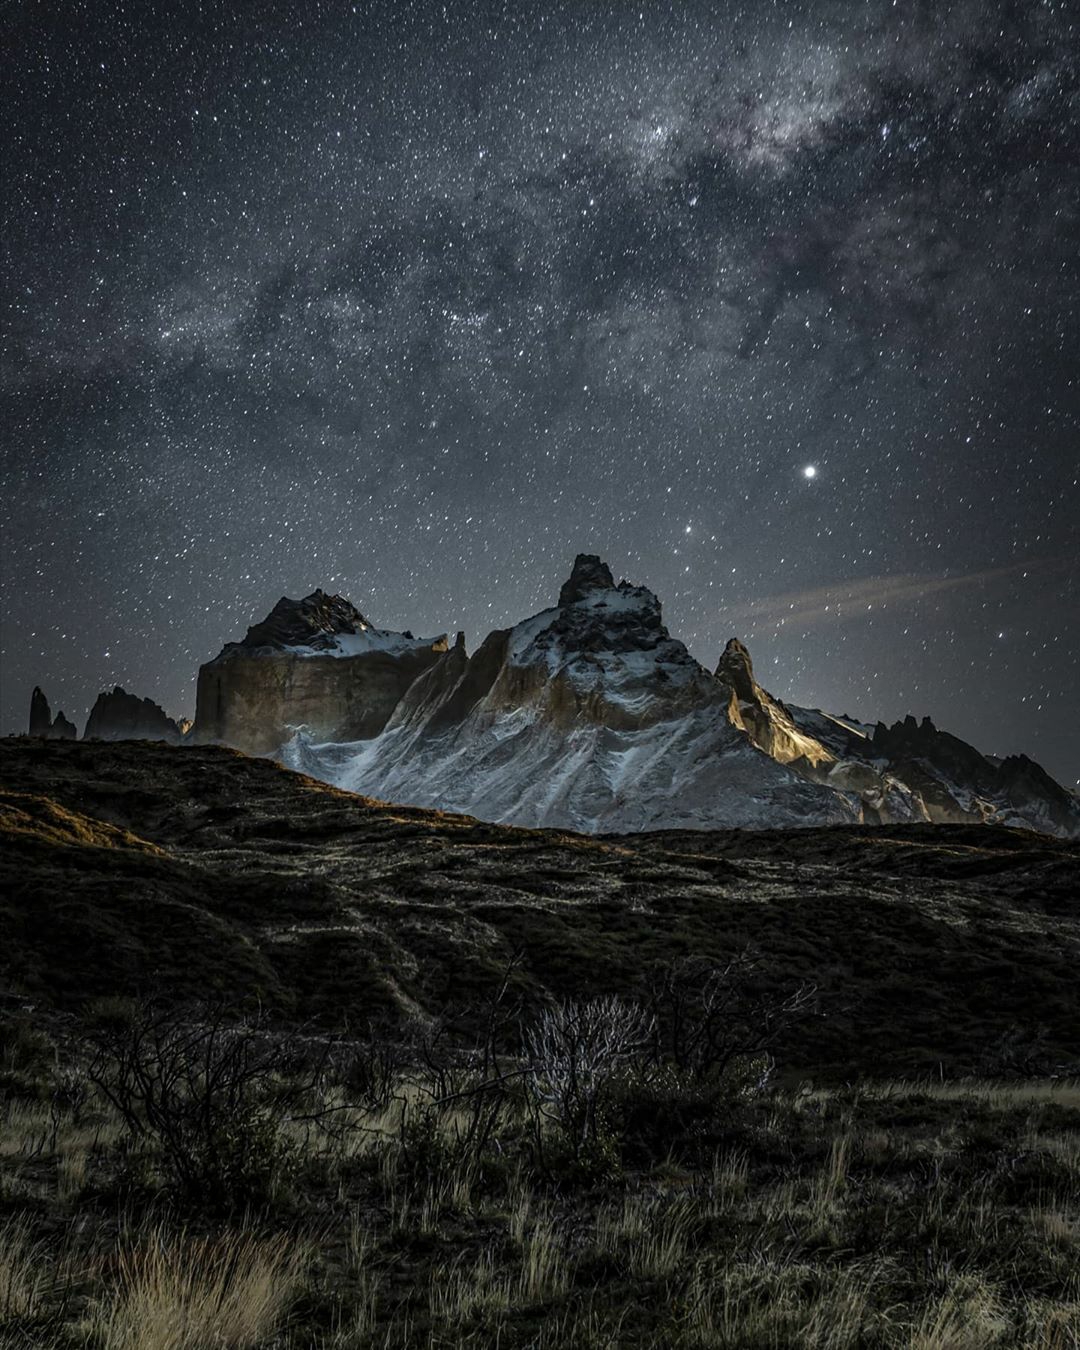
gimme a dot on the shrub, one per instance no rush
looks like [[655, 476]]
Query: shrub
[[207, 1093], [573, 1052]]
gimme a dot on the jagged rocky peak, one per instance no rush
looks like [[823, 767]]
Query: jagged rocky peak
[[62, 729], [736, 669], [120, 716], [40, 714], [765, 719], [595, 617], [915, 740], [42, 722], [314, 621], [589, 574], [602, 656]]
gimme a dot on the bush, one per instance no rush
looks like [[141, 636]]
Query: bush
[[206, 1092]]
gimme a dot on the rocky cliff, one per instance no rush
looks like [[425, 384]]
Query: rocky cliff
[[120, 716], [42, 722], [315, 664], [591, 716]]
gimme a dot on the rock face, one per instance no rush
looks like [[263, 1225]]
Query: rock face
[[315, 663], [316, 622], [42, 722], [764, 718], [40, 714], [960, 785], [589, 574], [120, 716], [588, 716]]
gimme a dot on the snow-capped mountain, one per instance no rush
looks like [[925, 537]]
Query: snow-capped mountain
[[587, 716]]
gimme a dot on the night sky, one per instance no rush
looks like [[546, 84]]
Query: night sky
[[775, 306]]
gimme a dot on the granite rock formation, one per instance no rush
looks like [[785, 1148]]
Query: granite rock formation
[[315, 664], [63, 729], [764, 718], [42, 722], [40, 713], [590, 716], [120, 716], [587, 716]]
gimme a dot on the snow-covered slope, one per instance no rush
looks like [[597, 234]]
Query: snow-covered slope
[[589, 716]]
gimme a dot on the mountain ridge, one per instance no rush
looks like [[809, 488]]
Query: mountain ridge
[[588, 715]]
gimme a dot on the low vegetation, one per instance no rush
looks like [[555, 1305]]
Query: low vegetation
[[138, 868], [579, 1174], [285, 1069]]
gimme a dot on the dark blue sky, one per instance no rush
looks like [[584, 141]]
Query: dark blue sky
[[415, 302]]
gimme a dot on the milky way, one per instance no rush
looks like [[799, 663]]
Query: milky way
[[415, 301]]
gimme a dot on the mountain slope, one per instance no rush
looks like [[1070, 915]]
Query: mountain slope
[[588, 716], [139, 867]]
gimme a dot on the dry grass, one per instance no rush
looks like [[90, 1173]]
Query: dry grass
[[179, 1292], [969, 1317], [775, 1303], [26, 1274], [894, 1217], [996, 1096]]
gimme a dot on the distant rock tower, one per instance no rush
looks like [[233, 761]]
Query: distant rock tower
[[42, 723], [120, 716], [40, 714]]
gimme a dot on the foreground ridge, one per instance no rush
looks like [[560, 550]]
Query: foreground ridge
[[135, 867]]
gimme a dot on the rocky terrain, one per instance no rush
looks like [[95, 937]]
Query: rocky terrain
[[591, 716], [138, 867]]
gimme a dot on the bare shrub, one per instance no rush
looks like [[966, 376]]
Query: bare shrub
[[709, 1017], [574, 1051], [210, 1092]]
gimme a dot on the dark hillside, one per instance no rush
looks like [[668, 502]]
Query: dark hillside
[[135, 867]]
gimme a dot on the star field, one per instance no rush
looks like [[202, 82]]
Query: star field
[[775, 306]]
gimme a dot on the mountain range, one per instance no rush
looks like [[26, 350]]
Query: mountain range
[[588, 716]]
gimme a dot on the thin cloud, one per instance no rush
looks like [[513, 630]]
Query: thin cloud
[[843, 602]]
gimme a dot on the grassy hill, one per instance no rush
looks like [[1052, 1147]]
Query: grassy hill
[[177, 1174], [137, 867]]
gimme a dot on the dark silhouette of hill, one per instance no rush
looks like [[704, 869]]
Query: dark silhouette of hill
[[138, 867]]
